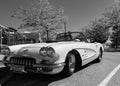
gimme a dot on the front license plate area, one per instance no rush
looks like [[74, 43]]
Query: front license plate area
[[17, 68]]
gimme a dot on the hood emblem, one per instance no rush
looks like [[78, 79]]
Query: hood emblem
[[25, 51]]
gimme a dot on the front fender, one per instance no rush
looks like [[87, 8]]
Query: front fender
[[62, 54], [63, 51], [15, 48]]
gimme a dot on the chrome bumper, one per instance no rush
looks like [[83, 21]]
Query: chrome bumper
[[50, 66], [38, 68]]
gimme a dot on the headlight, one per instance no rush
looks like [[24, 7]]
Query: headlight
[[47, 51], [5, 50], [50, 51], [43, 51]]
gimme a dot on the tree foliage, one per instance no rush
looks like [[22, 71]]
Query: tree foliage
[[41, 15], [97, 31], [115, 38], [112, 16]]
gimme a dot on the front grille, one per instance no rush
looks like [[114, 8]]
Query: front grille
[[24, 61]]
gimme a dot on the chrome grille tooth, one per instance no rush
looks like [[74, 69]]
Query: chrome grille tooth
[[10, 60], [32, 62], [26, 62], [22, 61], [18, 61], [15, 61], [29, 62]]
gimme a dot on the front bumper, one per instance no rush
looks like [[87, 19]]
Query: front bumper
[[36, 68]]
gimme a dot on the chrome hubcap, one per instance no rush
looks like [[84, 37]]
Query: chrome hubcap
[[72, 63]]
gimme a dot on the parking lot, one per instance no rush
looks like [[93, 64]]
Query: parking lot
[[92, 74]]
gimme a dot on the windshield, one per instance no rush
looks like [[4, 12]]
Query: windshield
[[64, 37], [70, 36]]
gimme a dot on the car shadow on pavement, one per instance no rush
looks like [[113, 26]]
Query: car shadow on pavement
[[85, 66], [8, 78]]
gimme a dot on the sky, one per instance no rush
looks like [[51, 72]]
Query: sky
[[79, 12]]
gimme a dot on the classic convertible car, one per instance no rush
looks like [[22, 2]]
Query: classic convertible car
[[69, 51]]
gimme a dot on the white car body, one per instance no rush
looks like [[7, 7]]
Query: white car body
[[85, 51]]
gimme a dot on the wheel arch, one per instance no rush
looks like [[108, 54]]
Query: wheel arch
[[101, 50], [77, 56]]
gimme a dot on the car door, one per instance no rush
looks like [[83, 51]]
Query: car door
[[90, 51]]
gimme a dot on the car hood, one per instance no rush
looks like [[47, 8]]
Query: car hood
[[32, 50], [39, 45]]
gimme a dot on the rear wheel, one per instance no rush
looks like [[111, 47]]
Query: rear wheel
[[70, 64]]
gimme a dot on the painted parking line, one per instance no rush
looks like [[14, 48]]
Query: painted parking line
[[107, 79]]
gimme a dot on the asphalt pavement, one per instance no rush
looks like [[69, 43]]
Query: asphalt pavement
[[90, 75]]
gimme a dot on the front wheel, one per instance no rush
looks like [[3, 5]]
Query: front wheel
[[70, 64]]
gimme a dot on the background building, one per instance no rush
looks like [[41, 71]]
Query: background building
[[7, 35], [10, 36]]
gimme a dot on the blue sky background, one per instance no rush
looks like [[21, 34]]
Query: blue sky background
[[79, 12]]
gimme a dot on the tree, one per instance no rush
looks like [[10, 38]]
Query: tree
[[112, 16], [97, 31], [115, 37], [41, 15]]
